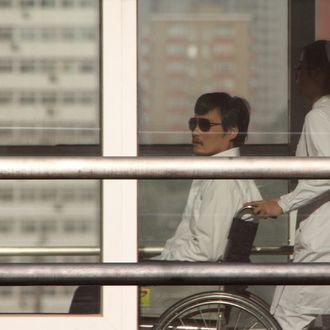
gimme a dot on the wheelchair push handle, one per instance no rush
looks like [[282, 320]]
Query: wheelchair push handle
[[245, 213]]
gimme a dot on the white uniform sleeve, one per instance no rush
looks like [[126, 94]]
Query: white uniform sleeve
[[208, 233], [315, 140]]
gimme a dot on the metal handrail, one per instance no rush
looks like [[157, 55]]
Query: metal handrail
[[165, 273], [163, 167]]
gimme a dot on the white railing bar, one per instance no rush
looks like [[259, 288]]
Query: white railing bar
[[163, 167], [151, 251], [26, 251], [144, 252], [165, 273]]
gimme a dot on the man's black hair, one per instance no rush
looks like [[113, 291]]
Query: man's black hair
[[315, 57], [234, 111]]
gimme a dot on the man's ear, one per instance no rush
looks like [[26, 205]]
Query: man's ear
[[232, 133]]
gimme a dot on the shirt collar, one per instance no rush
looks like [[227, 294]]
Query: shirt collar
[[321, 100], [233, 152]]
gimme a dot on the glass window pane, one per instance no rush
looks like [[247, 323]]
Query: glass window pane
[[190, 47], [48, 53], [187, 48], [49, 95], [46, 214]]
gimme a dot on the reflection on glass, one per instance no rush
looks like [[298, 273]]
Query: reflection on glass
[[41, 214], [322, 27], [49, 94], [49, 69], [187, 48], [161, 204], [190, 47], [160, 207]]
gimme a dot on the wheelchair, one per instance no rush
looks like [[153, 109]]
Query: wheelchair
[[233, 308]]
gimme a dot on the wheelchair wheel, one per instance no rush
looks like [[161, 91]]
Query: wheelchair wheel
[[219, 311]]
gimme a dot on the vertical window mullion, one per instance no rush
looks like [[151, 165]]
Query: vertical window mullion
[[119, 139]]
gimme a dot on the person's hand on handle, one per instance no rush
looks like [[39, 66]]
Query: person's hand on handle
[[266, 208]]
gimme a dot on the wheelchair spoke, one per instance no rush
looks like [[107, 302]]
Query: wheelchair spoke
[[202, 316], [237, 321]]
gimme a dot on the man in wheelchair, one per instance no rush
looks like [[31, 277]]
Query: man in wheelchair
[[219, 127], [211, 228]]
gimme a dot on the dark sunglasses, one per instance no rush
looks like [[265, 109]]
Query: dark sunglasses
[[203, 124]]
